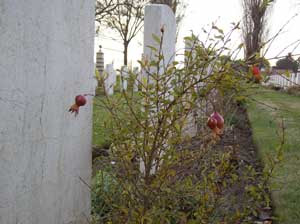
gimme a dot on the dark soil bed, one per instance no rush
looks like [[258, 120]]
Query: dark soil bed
[[241, 194], [239, 137]]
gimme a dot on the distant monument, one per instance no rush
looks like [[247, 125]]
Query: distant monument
[[100, 61]]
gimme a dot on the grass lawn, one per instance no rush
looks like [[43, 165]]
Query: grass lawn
[[100, 115], [264, 121]]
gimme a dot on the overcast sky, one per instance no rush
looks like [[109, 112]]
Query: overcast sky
[[201, 13]]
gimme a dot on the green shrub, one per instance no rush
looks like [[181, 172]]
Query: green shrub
[[156, 178]]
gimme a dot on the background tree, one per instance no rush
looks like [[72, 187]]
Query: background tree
[[125, 17], [104, 8], [174, 4], [254, 25]]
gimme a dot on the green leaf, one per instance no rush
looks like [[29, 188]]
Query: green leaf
[[287, 73], [152, 48], [156, 38]]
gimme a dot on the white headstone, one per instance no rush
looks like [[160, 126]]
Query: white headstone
[[110, 79], [124, 77], [46, 60], [158, 16]]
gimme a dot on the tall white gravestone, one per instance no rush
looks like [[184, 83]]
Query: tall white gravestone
[[46, 59], [159, 16]]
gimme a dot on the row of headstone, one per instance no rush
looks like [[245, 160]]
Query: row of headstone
[[284, 81], [110, 80]]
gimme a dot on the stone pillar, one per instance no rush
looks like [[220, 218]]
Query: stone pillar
[[159, 16], [45, 152]]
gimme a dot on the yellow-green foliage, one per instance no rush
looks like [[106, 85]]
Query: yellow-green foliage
[[154, 177]]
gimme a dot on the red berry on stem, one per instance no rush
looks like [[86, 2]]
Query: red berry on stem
[[255, 70], [80, 100], [219, 119], [212, 123]]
